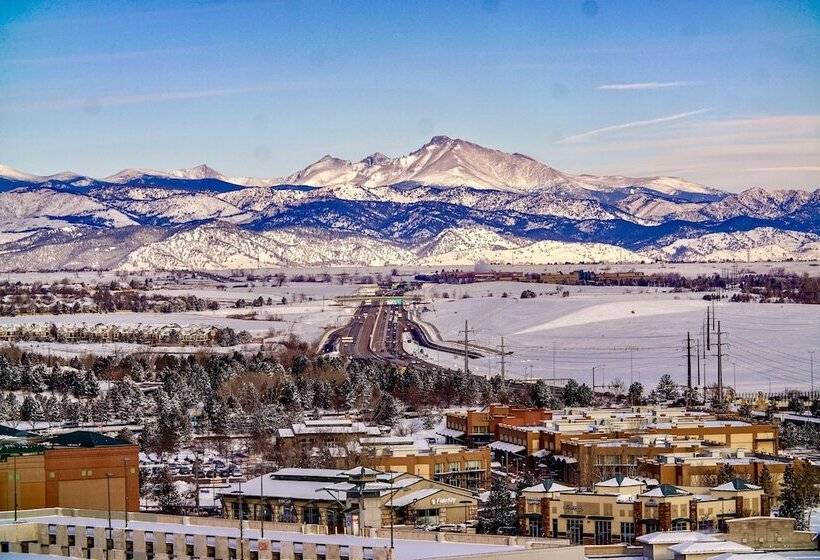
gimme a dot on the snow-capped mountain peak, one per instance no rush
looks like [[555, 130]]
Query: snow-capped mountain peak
[[201, 171]]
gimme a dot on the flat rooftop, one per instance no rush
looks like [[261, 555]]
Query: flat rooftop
[[404, 549]]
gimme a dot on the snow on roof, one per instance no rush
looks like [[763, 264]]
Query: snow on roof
[[357, 471], [665, 490], [408, 499], [297, 472], [736, 485], [619, 481], [291, 489], [675, 537], [447, 432], [707, 547], [504, 446], [549, 485], [405, 549], [748, 556]]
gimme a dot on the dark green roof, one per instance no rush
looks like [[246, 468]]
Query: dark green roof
[[740, 484], [14, 432], [85, 439], [670, 490]]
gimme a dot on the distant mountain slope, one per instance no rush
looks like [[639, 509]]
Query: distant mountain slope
[[449, 202]]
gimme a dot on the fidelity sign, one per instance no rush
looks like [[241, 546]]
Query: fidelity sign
[[442, 501]]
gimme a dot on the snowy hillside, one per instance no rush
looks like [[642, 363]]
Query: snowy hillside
[[761, 244]]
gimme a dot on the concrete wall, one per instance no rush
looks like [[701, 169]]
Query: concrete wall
[[769, 533]]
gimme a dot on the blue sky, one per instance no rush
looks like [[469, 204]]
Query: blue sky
[[726, 93]]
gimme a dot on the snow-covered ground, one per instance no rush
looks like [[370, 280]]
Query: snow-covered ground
[[307, 320], [610, 328]]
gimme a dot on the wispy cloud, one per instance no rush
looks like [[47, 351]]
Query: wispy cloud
[[575, 138], [95, 102], [788, 168], [646, 85], [82, 58]]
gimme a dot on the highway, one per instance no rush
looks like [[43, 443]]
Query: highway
[[375, 331]]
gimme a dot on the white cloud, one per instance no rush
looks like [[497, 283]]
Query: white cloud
[[646, 85], [575, 138]]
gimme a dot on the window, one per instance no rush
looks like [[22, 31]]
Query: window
[[627, 532], [439, 468], [575, 530], [473, 465], [680, 525], [536, 526], [603, 532], [454, 466], [555, 528], [310, 515]]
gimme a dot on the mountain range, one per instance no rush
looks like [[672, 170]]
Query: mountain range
[[449, 202]]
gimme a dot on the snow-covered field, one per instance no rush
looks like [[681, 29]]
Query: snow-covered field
[[609, 328]]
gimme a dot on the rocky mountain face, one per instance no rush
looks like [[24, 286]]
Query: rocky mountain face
[[449, 202]]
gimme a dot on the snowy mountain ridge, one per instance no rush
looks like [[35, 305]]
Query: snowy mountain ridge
[[449, 202]]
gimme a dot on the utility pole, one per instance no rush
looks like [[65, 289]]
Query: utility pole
[[714, 315], [811, 365], [719, 363], [697, 353], [466, 332], [503, 364], [554, 378], [593, 380], [708, 330], [688, 366]]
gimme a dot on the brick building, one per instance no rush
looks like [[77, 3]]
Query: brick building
[[71, 470]]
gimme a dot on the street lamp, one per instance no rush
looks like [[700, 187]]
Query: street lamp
[[14, 462], [241, 514], [125, 472], [109, 540], [390, 474]]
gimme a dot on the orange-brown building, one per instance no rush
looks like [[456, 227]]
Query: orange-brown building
[[74, 470], [478, 427]]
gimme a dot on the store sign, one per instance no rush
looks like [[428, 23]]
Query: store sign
[[574, 509], [443, 501]]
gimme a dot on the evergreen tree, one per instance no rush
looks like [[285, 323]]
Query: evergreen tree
[[635, 393], [542, 396], [389, 411], [666, 390], [570, 393], [31, 410], [799, 494], [725, 473], [499, 511], [165, 492], [765, 480], [584, 396]]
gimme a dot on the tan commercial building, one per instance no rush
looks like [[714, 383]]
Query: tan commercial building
[[702, 468], [348, 501], [621, 509], [455, 465]]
